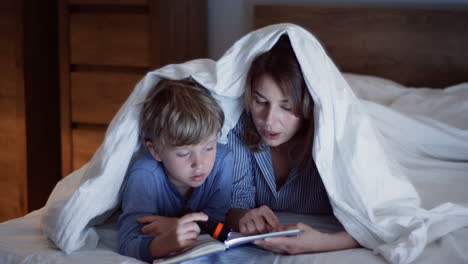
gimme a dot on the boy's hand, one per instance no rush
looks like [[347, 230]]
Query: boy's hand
[[258, 221], [156, 225], [182, 236]]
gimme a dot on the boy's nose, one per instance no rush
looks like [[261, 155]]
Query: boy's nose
[[197, 162]]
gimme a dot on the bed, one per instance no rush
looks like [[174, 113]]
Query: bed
[[388, 53]]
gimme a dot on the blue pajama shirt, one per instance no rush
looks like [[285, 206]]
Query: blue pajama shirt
[[149, 192], [254, 182]]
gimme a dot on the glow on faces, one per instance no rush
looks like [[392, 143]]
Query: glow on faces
[[271, 112], [187, 166]]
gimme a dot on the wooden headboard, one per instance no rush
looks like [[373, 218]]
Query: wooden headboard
[[420, 48]]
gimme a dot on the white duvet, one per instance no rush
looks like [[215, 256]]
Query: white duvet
[[370, 156]]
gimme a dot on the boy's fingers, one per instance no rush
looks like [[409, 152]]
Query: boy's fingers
[[147, 219], [191, 235], [188, 227], [187, 242], [187, 234], [193, 217], [148, 228]]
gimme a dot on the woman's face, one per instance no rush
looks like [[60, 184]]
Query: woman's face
[[272, 112]]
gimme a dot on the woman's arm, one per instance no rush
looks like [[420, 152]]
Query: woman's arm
[[310, 241]]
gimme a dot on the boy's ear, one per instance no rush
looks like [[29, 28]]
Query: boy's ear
[[153, 152]]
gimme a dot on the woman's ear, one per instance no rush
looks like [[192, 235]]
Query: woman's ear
[[153, 151]]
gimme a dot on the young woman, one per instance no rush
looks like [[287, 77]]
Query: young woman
[[273, 165]]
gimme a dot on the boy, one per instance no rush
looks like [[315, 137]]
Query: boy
[[184, 170]]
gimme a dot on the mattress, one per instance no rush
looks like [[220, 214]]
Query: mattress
[[436, 179]]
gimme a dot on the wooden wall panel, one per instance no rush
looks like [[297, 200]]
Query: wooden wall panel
[[109, 2], [106, 47], [96, 96], [13, 185], [414, 47], [8, 49], [13, 191], [182, 27], [109, 39], [86, 141]]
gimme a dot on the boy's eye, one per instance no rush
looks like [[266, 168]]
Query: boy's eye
[[182, 154], [209, 148]]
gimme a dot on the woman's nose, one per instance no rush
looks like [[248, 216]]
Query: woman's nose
[[269, 116]]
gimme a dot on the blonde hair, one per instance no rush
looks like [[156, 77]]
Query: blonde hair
[[178, 113]]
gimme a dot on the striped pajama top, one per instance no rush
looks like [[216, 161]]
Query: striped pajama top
[[254, 182]]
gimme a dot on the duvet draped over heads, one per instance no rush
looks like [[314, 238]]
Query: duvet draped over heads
[[370, 195]]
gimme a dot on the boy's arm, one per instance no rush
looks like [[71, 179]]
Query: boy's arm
[[139, 199], [156, 224]]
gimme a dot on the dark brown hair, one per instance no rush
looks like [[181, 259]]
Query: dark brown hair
[[281, 64], [178, 113]]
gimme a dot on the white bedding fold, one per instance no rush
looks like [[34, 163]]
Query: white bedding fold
[[360, 150]]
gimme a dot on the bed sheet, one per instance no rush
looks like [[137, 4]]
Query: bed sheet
[[22, 239]]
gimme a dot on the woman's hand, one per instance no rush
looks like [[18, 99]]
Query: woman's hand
[[309, 241], [156, 225], [258, 221], [182, 236]]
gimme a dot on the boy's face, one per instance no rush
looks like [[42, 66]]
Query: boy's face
[[187, 166]]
